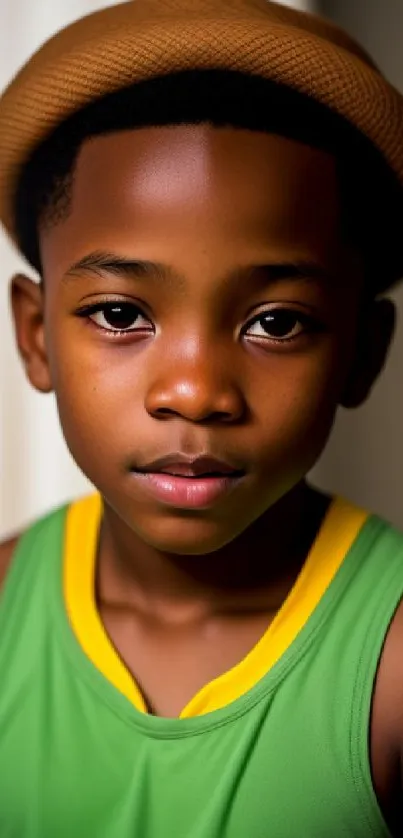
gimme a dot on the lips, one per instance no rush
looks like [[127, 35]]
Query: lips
[[179, 465], [184, 482]]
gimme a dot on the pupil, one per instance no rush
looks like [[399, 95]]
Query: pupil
[[120, 317], [279, 323]]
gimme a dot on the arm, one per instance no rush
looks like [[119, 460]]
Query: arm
[[6, 553], [387, 727]]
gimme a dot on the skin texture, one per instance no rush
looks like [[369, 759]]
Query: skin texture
[[227, 225]]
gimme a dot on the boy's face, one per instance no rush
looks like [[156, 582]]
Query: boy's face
[[238, 316]]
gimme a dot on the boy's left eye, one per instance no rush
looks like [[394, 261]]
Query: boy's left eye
[[278, 325]]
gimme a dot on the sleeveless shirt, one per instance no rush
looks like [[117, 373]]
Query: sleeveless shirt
[[275, 748]]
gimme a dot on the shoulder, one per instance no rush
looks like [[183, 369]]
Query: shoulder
[[48, 529], [386, 728], [7, 549], [386, 722]]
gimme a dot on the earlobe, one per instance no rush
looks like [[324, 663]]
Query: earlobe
[[27, 306], [373, 344]]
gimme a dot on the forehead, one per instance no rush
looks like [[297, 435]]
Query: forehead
[[216, 186]]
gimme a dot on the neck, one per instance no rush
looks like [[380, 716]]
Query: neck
[[253, 571]]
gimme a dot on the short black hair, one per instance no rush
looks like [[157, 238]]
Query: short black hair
[[371, 196]]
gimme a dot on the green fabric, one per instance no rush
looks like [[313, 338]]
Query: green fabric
[[287, 760]]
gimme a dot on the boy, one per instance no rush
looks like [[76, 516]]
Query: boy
[[207, 647]]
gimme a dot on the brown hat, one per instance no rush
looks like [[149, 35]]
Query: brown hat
[[141, 39]]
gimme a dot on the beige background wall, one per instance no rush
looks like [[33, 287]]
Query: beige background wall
[[365, 458], [36, 471]]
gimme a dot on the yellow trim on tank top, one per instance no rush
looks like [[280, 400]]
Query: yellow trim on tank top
[[338, 532]]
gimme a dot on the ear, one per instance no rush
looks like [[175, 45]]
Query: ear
[[27, 302], [374, 338]]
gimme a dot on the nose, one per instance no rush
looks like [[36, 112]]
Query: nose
[[198, 385]]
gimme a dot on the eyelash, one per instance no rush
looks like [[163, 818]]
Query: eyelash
[[307, 323], [88, 312]]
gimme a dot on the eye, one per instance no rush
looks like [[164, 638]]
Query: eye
[[118, 317], [279, 325]]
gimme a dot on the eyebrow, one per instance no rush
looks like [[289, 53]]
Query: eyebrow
[[100, 262]]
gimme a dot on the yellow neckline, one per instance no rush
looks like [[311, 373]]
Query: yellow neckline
[[82, 528], [337, 534]]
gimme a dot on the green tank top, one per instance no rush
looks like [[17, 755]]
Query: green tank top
[[286, 758]]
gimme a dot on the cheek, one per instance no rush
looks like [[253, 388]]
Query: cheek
[[298, 403], [95, 395]]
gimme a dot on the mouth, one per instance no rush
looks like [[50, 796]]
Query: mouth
[[188, 483], [179, 465]]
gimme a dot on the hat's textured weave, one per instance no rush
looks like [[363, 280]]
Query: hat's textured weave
[[140, 39]]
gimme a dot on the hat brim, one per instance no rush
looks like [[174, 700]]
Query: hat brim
[[115, 48]]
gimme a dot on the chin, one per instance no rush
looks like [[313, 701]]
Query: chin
[[187, 536]]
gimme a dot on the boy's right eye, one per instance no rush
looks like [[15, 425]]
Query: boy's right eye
[[117, 317]]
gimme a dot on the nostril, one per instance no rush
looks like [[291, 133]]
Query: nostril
[[200, 417], [165, 411]]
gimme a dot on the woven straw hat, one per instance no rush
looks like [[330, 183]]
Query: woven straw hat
[[141, 39]]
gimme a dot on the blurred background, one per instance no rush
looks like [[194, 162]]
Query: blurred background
[[363, 461]]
